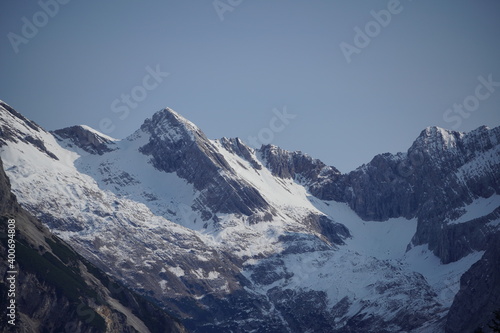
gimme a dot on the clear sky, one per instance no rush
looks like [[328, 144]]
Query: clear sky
[[359, 77]]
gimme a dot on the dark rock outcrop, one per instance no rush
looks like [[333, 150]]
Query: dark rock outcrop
[[237, 147], [479, 294], [85, 139], [299, 166]]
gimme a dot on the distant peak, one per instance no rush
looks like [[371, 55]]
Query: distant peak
[[87, 138], [167, 124], [435, 130], [169, 113], [437, 137], [96, 132], [480, 129]]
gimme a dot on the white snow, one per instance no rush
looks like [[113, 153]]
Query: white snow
[[482, 164], [177, 271], [478, 208], [448, 138], [280, 192], [382, 240], [444, 279], [163, 284], [128, 173], [212, 275]]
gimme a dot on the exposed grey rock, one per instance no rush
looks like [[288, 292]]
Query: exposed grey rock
[[479, 294], [237, 147], [176, 145], [13, 135], [431, 181], [89, 141], [297, 165]]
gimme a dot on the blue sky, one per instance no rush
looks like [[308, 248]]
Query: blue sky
[[235, 66]]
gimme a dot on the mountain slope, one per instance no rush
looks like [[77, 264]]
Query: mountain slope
[[54, 282], [231, 238]]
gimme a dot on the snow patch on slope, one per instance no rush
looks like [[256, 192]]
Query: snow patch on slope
[[286, 194], [96, 132], [382, 240], [443, 278], [129, 174], [478, 208]]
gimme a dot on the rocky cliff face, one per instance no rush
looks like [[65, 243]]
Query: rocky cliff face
[[408, 184], [59, 291], [296, 165], [84, 138], [17, 133], [235, 239], [479, 292], [177, 145], [442, 172]]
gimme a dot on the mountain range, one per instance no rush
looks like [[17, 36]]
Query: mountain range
[[228, 238]]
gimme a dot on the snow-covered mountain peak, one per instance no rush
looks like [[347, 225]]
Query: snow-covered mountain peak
[[484, 135], [437, 141], [438, 138], [16, 120], [97, 133], [17, 129], [167, 125], [86, 138]]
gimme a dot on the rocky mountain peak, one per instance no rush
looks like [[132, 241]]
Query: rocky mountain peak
[[285, 164], [14, 127], [483, 138], [86, 138], [177, 145], [437, 138], [450, 149], [238, 147], [9, 111], [170, 127]]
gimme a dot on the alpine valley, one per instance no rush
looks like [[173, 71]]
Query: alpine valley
[[228, 238]]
